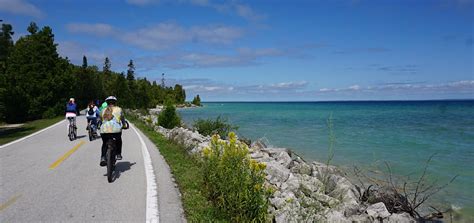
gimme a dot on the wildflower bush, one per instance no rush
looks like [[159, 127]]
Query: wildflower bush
[[211, 127], [234, 182]]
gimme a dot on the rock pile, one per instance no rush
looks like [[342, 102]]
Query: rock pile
[[303, 192]]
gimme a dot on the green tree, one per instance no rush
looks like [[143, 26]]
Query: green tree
[[32, 28], [179, 94], [30, 76], [168, 118], [84, 62], [197, 100], [107, 79], [131, 84], [6, 45]]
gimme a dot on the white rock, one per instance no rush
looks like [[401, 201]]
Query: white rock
[[276, 173], [400, 218], [283, 158], [378, 210]]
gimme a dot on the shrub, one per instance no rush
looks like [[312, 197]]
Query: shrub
[[211, 127], [168, 118], [234, 182]]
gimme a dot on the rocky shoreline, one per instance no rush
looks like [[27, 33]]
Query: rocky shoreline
[[303, 192]]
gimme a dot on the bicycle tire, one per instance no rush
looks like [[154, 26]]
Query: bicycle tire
[[75, 132], [90, 134], [110, 162], [71, 133]]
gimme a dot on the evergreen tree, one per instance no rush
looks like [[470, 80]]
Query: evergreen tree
[[6, 45], [84, 62], [197, 100], [36, 82], [31, 70], [107, 77], [107, 66], [131, 84], [131, 71], [32, 28], [179, 94]]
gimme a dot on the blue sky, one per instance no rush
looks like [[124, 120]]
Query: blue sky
[[271, 50]]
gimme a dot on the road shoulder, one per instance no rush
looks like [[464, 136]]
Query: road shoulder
[[169, 198]]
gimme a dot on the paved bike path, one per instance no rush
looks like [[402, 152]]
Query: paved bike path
[[33, 189]]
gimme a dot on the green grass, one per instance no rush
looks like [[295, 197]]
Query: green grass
[[11, 134], [187, 171]]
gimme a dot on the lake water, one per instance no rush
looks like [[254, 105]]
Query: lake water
[[404, 133]]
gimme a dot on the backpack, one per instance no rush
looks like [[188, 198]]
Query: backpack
[[108, 114], [91, 111]]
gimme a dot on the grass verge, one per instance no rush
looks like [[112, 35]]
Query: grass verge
[[10, 134], [187, 171]]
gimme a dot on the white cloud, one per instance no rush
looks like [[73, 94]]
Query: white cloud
[[141, 2], [215, 34], [163, 35], [456, 86], [20, 7], [180, 60], [231, 7], [354, 87], [248, 13], [97, 29], [95, 56]]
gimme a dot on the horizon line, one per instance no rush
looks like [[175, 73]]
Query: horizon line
[[375, 100]]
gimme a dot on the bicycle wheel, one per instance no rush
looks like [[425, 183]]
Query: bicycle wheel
[[75, 132], [91, 137], [110, 162], [71, 133]]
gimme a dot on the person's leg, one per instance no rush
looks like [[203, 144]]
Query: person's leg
[[118, 138], [67, 124], [94, 124], [105, 137]]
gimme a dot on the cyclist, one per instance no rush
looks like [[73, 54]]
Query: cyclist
[[92, 114], [71, 111], [112, 123]]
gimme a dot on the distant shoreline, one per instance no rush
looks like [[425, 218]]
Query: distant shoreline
[[336, 101]]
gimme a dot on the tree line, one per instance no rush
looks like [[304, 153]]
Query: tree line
[[35, 82]]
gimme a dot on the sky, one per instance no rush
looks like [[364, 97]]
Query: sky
[[271, 50]]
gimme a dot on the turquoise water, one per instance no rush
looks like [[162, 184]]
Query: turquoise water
[[405, 133]]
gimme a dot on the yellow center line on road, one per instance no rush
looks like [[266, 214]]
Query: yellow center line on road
[[9, 202], [65, 156]]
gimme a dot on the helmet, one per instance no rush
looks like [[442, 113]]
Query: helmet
[[71, 99], [111, 98]]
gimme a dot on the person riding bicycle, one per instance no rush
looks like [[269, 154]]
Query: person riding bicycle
[[112, 123], [92, 113], [71, 111]]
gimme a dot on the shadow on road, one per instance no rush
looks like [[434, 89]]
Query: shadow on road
[[7, 131], [121, 167], [78, 137]]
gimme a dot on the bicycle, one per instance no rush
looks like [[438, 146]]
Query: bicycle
[[110, 155], [72, 131], [92, 130]]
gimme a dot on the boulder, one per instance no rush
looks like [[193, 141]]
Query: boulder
[[301, 168], [283, 158], [276, 173], [402, 217], [378, 210]]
